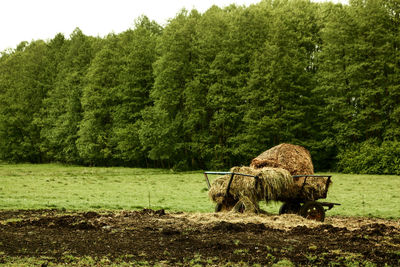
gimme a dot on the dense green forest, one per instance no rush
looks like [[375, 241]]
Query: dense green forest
[[212, 90]]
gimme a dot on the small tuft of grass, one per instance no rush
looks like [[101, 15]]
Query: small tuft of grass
[[284, 263], [241, 251]]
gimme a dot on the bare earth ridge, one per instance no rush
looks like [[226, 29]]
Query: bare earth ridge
[[204, 238]]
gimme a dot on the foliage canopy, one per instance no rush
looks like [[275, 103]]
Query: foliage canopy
[[212, 90]]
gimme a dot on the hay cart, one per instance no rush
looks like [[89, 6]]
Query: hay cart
[[302, 204]]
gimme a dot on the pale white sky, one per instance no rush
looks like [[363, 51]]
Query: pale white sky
[[27, 20]]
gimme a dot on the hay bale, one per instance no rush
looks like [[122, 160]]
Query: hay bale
[[278, 184], [241, 186], [274, 168], [295, 159], [273, 184]]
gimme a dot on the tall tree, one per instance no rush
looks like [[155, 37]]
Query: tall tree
[[160, 130], [138, 52], [62, 111], [356, 76], [279, 93], [210, 32], [98, 99], [391, 67], [236, 35], [23, 85]]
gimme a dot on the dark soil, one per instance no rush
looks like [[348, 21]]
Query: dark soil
[[172, 239]]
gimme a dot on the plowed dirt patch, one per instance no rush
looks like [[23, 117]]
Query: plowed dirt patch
[[208, 239]]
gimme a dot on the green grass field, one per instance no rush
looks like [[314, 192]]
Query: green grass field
[[47, 186]]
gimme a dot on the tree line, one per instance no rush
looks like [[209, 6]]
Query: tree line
[[212, 90]]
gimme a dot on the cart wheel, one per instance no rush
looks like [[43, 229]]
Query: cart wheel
[[218, 207], [313, 210], [289, 208]]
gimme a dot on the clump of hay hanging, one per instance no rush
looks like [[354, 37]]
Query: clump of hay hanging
[[295, 159], [272, 184], [311, 188]]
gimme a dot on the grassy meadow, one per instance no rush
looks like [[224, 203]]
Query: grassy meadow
[[48, 186]]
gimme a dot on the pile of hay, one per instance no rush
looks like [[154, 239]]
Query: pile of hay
[[242, 188], [274, 168], [273, 184], [295, 159], [314, 188]]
